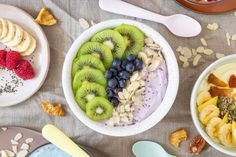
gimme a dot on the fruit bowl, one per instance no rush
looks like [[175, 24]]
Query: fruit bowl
[[152, 119], [212, 69]]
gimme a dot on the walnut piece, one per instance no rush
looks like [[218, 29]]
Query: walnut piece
[[177, 137], [55, 110], [213, 79], [197, 145], [45, 17]]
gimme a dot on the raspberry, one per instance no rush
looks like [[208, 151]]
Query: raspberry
[[24, 70], [3, 55], [12, 60]]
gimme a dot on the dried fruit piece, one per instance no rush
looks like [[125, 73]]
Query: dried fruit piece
[[177, 137], [45, 17], [55, 110], [215, 91], [232, 81], [213, 79], [197, 145]]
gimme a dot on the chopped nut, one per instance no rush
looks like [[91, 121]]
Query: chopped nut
[[177, 137], [228, 37], [203, 41], [83, 23], [197, 145], [18, 136], [232, 81], [45, 17], [215, 91], [196, 59], [219, 55], [55, 110], [216, 81]]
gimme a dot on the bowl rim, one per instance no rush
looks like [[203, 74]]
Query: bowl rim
[[194, 112], [156, 116]]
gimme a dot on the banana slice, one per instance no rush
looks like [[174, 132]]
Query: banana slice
[[10, 34], [211, 128], [0, 28], [31, 49], [225, 135], [203, 97], [17, 37], [24, 44], [212, 101], [4, 28], [208, 113]]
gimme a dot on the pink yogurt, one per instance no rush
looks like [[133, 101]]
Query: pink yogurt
[[156, 84]]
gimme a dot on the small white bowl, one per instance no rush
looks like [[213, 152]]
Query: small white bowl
[[194, 112], [156, 116]]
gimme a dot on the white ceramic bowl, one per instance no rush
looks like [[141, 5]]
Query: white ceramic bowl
[[194, 112], [156, 116]]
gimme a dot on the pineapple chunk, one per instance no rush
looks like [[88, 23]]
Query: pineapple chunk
[[212, 101]]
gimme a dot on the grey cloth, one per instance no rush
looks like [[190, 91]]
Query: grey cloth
[[29, 113]]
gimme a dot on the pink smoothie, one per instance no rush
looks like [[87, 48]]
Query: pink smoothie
[[156, 84]]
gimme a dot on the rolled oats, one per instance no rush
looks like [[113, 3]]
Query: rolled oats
[[208, 51], [200, 49], [213, 26], [183, 59], [185, 64], [219, 55], [179, 49], [203, 41], [83, 23], [196, 59], [186, 52]]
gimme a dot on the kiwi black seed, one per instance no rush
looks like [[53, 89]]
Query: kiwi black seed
[[88, 75], [99, 109], [97, 49], [134, 38], [87, 92], [113, 40], [87, 61]]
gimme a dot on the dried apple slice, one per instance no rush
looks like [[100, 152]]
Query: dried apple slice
[[215, 91], [213, 79], [232, 81]]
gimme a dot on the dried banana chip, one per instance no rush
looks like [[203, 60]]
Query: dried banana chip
[[45, 17]]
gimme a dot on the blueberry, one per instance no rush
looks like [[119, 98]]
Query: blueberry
[[114, 72], [112, 83], [116, 63], [124, 75], [138, 64], [110, 93], [122, 83], [108, 74], [130, 57], [115, 102], [129, 67], [124, 62]]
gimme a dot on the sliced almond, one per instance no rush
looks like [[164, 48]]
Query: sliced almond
[[208, 51], [183, 59], [29, 140], [185, 64], [228, 37], [203, 41], [196, 59], [219, 55], [18, 136], [83, 23], [200, 49]]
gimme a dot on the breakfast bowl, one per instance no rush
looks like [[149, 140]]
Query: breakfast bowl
[[85, 112], [212, 104]]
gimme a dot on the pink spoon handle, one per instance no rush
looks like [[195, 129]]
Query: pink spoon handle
[[123, 8]]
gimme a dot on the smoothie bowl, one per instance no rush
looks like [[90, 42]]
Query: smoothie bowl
[[213, 105], [120, 77]]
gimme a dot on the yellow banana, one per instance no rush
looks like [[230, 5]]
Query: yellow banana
[[208, 113], [211, 128], [225, 135]]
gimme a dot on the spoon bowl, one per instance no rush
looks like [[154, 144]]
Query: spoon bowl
[[182, 25]]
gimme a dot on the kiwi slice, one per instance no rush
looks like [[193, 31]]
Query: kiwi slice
[[113, 40], [99, 109], [134, 38], [99, 50], [87, 92], [86, 61], [88, 75]]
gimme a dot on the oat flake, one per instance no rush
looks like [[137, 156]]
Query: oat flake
[[83, 23]]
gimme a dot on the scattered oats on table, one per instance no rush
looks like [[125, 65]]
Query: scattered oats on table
[[203, 41], [83, 23], [219, 55], [213, 26], [208, 52], [196, 59]]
